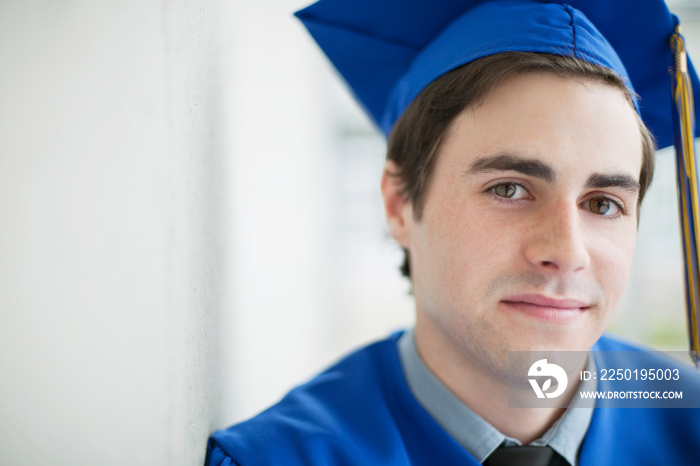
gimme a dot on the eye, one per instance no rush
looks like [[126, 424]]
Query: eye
[[511, 191], [604, 206]]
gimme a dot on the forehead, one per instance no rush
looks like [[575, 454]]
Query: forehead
[[560, 120]]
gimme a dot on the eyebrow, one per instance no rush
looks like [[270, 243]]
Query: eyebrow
[[516, 163], [539, 169], [626, 182]]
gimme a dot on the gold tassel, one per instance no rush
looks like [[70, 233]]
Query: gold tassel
[[688, 188]]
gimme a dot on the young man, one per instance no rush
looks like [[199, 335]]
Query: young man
[[517, 161]]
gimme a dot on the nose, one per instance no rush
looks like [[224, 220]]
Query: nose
[[557, 241]]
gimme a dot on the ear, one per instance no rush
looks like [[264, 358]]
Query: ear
[[398, 209]]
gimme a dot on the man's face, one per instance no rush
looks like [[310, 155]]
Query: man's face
[[529, 224]]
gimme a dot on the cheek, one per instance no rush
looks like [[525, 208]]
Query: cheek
[[462, 245], [614, 262]]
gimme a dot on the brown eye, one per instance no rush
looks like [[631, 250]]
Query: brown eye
[[603, 206], [506, 190]]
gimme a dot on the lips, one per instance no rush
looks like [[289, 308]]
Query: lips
[[544, 308]]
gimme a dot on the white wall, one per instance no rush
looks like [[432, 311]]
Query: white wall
[[110, 231]]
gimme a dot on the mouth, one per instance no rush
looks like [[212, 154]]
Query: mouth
[[540, 307]]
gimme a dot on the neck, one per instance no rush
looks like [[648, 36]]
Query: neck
[[484, 391]]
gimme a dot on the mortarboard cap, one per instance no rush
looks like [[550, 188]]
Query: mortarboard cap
[[390, 50]]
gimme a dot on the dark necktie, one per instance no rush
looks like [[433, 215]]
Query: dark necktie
[[526, 455]]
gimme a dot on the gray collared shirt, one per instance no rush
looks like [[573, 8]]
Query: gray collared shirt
[[469, 429]]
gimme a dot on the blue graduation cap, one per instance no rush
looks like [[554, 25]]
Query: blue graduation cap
[[388, 51]]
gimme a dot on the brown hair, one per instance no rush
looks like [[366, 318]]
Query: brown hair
[[416, 137]]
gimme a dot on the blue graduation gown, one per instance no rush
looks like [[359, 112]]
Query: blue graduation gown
[[361, 412]]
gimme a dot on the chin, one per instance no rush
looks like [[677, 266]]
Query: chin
[[559, 339]]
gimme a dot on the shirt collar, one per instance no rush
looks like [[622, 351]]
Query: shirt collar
[[469, 429]]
